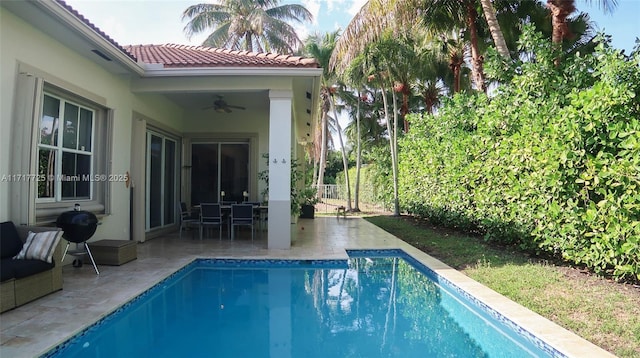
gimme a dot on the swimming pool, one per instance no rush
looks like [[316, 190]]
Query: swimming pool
[[376, 304]]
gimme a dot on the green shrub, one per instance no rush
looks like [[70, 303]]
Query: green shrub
[[551, 162]]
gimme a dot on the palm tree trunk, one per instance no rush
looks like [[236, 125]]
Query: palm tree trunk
[[345, 161], [356, 194], [394, 155], [456, 67], [314, 173], [385, 105], [560, 10], [249, 42], [323, 154], [494, 27], [476, 59]]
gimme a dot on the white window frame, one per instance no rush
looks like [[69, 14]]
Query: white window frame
[[59, 150], [31, 84]]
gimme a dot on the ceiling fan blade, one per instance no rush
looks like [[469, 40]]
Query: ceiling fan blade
[[227, 109], [236, 107]]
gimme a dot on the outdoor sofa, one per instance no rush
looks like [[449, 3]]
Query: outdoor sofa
[[26, 279]]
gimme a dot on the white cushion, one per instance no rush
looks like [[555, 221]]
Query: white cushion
[[40, 246]]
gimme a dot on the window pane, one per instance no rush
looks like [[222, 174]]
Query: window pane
[[70, 135], [204, 174], [49, 120], [86, 124], [155, 182], [83, 168], [234, 170], [75, 176], [46, 170]]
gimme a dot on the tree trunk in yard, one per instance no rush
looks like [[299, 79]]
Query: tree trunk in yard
[[345, 160], [356, 194], [476, 59], [494, 27], [394, 156], [560, 10], [323, 154]]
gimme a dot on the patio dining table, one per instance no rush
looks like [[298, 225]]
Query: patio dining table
[[260, 210]]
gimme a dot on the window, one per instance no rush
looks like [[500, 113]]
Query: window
[[217, 168], [61, 141], [65, 150]]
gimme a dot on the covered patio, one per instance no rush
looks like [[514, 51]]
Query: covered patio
[[35, 328]]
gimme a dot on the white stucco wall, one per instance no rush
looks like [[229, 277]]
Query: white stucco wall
[[21, 43]]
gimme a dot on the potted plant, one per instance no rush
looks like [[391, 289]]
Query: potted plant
[[308, 200]]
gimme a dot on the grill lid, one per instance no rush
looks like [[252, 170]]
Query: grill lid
[[78, 225]]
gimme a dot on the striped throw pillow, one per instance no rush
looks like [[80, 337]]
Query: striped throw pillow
[[40, 246]]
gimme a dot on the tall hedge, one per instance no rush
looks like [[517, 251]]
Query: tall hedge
[[549, 162]]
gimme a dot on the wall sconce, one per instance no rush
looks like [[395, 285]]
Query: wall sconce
[[283, 161], [275, 161], [308, 111]]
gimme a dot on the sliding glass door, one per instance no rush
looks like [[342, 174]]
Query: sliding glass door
[[161, 181], [218, 168]]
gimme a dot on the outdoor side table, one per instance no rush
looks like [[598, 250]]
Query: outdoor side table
[[114, 252]]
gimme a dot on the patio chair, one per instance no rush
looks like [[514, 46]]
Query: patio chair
[[210, 215], [259, 216], [186, 218], [241, 215]]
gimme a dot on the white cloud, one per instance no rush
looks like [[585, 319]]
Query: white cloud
[[355, 7], [331, 4], [314, 8]]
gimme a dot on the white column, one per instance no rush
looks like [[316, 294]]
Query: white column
[[280, 169]]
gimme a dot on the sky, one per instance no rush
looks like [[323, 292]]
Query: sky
[[134, 22]]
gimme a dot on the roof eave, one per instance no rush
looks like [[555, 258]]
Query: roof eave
[[154, 71], [70, 20]]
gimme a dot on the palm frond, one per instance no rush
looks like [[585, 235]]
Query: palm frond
[[369, 23]]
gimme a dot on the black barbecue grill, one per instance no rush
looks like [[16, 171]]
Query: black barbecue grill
[[78, 227]]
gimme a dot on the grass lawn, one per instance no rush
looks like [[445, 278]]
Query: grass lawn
[[599, 310]]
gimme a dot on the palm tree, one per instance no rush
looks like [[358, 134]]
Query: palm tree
[[369, 24], [379, 58], [321, 48], [356, 77], [248, 25]]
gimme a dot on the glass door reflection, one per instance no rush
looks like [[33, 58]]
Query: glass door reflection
[[216, 168]]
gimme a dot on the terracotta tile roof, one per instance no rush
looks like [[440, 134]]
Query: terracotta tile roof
[[176, 56], [180, 56]]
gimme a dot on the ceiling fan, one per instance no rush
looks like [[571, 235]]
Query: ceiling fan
[[220, 105]]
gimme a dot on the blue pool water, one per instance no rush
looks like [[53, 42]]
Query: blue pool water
[[376, 304]]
